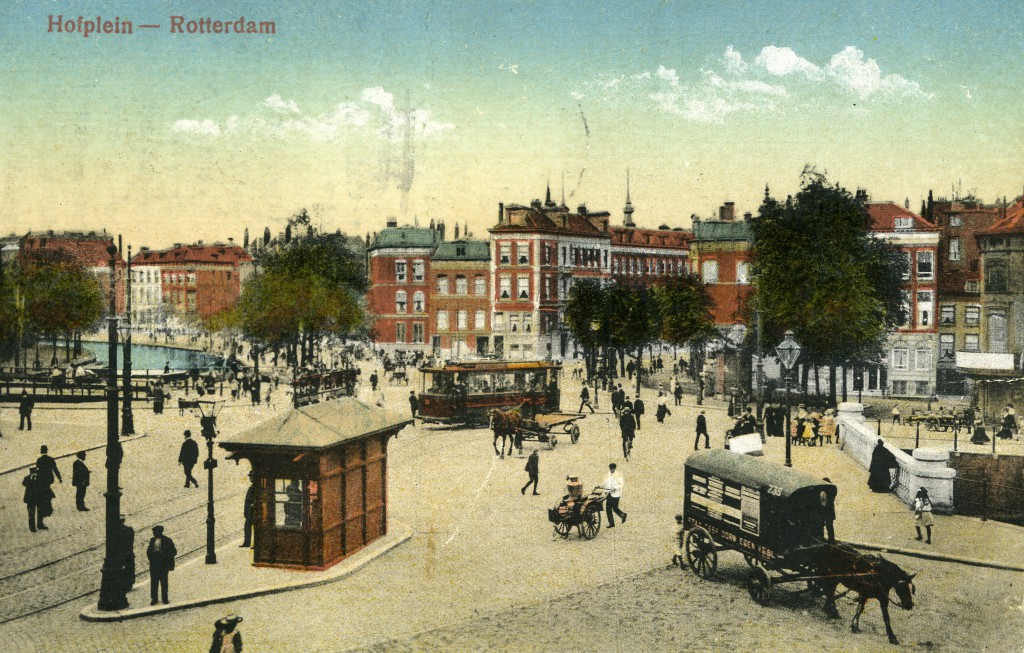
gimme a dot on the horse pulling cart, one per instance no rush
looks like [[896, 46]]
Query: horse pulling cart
[[774, 517], [511, 425]]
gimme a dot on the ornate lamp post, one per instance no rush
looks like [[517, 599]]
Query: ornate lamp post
[[113, 586], [788, 351], [127, 420], [208, 422]]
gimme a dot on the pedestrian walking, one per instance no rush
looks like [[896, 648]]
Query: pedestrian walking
[[80, 480], [33, 498], [158, 399], [533, 470], [638, 410], [25, 406], [662, 409], [188, 456], [47, 467], [374, 379], [414, 403], [880, 470], [585, 400], [627, 427], [614, 484], [249, 511], [896, 415], [678, 394], [702, 429], [226, 636], [923, 514], [678, 537], [161, 554]]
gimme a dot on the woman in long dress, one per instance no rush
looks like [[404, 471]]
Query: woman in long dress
[[879, 475]]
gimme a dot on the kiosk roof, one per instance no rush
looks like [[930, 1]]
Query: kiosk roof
[[319, 426], [753, 472]]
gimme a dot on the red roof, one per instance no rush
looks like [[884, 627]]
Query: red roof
[[625, 236], [1013, 223], [90, 250], [884, 214], [552, 220], [182, 254]]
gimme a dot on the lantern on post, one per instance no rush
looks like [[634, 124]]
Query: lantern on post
[[788, 352]]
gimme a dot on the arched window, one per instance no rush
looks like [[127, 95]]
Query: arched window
[[417, 302], [400, 300]]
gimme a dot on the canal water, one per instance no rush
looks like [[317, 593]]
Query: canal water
[[154, 357]]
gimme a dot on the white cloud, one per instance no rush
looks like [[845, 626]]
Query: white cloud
[[733, 61], [744, 85], [783, 61], [276, 103], [196, 127], [668, 74], [852, 71], [282, 118]]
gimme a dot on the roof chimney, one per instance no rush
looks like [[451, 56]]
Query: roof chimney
[[727, 212], [501, 212], [392, 222], [582, 209]]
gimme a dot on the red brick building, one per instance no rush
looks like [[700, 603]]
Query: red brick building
[[398, 264], [721, 255], [460, 298], [88, 250], [196, 279]]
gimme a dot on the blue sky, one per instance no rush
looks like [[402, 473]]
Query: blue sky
[[361, 110]]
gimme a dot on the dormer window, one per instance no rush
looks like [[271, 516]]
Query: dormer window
[[903, 223]]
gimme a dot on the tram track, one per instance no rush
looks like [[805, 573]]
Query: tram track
[[56, 582]]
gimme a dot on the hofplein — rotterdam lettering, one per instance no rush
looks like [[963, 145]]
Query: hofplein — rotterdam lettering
[[179, 25], [87, 26]]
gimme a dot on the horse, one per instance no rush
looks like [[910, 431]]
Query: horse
[[869, 576], [505, 425]]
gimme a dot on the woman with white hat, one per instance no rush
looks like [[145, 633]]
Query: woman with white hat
[[226, 638]]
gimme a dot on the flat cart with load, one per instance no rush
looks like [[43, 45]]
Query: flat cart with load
[[541, 428], [578, 510]]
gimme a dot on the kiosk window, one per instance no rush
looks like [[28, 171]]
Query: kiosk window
[[289, 504]]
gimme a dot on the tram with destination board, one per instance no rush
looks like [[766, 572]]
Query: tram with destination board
[[461, 392]]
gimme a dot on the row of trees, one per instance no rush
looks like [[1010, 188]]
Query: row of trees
[[47, 296]]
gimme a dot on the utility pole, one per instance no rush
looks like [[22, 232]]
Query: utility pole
[[127, 420]]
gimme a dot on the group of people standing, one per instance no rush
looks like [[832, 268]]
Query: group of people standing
[[38, 484]]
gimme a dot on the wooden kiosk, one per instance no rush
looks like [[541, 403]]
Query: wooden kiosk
[[320, 473]]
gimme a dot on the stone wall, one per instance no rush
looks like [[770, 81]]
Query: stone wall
[[988, 485], [926, 468]]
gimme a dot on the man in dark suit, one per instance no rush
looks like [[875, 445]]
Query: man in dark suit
[[638, 410], [249, 511], [702, 429], [627, 426], [80, 480], [124, 549], [47, 467], [161, 553], [188, 457], [32, 498], [25, 406]]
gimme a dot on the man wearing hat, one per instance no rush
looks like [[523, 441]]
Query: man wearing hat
[[702, 429], [627, 425], [188, 457], [226, 638], [80, 480], [124, 545], [161, 553], [33, 498]]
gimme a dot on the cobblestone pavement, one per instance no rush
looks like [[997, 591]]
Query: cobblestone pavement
[[482, 549]]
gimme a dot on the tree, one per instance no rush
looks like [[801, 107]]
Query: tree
[[584, 315], [819, 272], [307, 289], [686, 318]]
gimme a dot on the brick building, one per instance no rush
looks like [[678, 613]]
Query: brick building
[[193, 279], [398, 265], [959, 284], [88, 249], [721, 254], [460, 300], [909, 369]]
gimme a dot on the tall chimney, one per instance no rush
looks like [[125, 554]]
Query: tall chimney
[[501, 212], [727, 212]]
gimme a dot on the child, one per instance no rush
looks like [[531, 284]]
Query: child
[[923, 514], [678, 535]]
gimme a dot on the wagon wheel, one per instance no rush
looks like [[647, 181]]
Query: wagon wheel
[[562, 528], [751, 560], [591, 523], [759, 585], [574, 433], [932, 424], [701, 553]]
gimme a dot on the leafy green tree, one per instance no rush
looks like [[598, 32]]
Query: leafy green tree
[[307, 288], [686, 319], [819, 272], [585, 313]]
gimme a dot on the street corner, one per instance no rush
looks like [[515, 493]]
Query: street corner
[[195, 584]]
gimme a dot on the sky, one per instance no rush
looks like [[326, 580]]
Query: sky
[[359, 111]]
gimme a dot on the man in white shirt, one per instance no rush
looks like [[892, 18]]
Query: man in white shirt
[[613, 483]]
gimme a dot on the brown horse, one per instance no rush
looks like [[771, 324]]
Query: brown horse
[[869, 576], [505, 425]]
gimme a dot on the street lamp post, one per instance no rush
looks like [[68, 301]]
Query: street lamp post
[[788, 352], [113, 586], [208, 422], [127, 420]]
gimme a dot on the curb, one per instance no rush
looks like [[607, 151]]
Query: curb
[[940, 557], [130, 438], [339, 571]]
